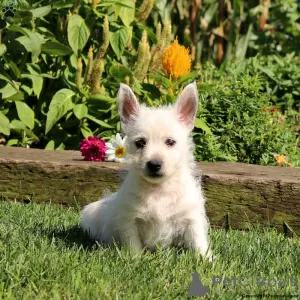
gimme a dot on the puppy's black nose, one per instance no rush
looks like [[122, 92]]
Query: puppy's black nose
[[154, 165]]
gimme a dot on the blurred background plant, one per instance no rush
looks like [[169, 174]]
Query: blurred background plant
[[224, 30], [61, 63]]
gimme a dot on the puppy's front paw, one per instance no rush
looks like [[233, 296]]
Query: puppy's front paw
[[134, 244], [209, 256], [136, 250]]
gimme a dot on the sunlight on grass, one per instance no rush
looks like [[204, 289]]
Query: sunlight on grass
[[44, 254]]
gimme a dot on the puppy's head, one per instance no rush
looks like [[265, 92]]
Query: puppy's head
[[158, 138]]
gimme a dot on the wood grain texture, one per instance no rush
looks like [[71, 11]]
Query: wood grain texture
[[248, 194]]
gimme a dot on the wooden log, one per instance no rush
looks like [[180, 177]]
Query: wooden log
[[238, 195]]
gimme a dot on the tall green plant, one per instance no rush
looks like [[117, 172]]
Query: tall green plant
[[61, 66]]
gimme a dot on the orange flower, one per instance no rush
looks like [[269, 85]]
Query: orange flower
[[176, 60], [280, 159]]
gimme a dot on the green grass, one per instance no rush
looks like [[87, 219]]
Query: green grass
[[44, 255]]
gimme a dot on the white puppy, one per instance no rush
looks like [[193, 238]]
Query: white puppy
[[160, 201]]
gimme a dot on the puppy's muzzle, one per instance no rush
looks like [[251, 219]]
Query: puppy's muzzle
[[154, 167]]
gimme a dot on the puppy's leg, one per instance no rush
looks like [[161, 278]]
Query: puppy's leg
[[196, 237], [130, 236]]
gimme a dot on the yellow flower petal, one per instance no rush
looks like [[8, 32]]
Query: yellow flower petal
[[280, 159], [176, 60], [120, 151]]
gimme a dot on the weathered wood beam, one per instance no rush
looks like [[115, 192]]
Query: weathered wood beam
[[238, 195]]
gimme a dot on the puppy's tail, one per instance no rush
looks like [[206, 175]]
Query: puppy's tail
[[90, 219]]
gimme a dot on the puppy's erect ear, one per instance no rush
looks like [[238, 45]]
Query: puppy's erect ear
[[128, 104], [187, 105]]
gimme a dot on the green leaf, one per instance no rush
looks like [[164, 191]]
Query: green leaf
[[68, 78], [279, 60], [211, 12], [37, 83], [12, 65], [17, 125], [25, 113], [125, 9], [200, 123], [32, 43], [150, 32], [99, 122], [60, 104], [23, 17], [63, 4], [4, 124], [56, 48], [80, 111], [27, 89], [41, 11], [8, 91], [163, 80], [61, 147], [78, 33], [119, 40], [101, 98], [113, 2], [73, 61], [50, 145], [120, 72], [36, 78], [86, 132], [153, 91], [267, 71], [2, 49], [7, 79], [31, 135], [170, 98], [242, 45], [97, 13], [17, 28], [17, 97], [189, 76], [12, 142], [47, 34]]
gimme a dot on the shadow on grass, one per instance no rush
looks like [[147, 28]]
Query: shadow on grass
[[72, 236], [75, 236]]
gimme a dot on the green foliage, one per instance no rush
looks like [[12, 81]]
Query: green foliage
[[222, 31], [280, 77], [61, 66], [244, 125]]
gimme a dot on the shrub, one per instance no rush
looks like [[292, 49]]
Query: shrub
[[280, 77], [244, 125], [61, 66]]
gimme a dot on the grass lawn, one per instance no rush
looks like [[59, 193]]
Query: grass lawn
[[44, 255]]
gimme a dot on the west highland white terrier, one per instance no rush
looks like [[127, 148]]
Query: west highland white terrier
[[160, 201]]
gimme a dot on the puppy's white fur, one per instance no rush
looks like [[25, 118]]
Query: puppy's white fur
[[150, 210]]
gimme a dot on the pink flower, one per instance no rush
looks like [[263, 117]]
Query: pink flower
[[93, 149]]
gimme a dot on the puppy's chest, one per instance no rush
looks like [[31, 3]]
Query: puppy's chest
[[161, 224]]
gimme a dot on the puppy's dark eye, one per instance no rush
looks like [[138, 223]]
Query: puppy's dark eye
[[140, 143], [170, 142]]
